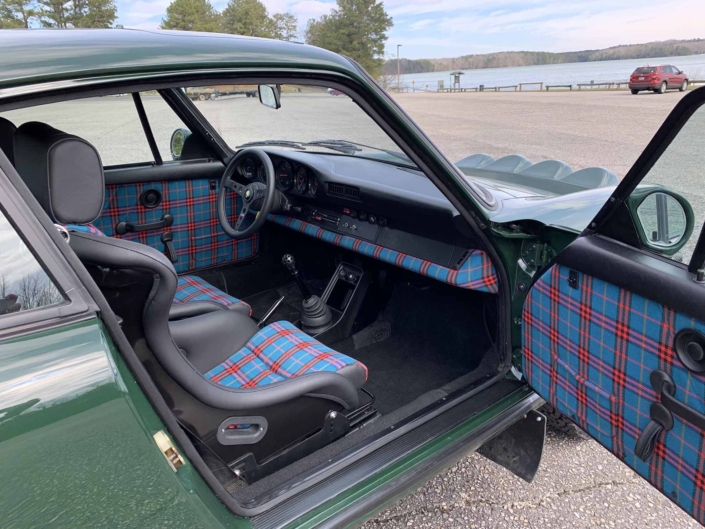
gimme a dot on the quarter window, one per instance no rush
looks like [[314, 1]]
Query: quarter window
[[24, 284]]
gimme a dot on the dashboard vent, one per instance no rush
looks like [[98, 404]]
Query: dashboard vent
[[342, 190]]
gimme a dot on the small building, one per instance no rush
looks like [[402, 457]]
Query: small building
[[455, 79]]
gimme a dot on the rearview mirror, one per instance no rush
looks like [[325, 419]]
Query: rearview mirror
[[270, 96], [176, 145], [664, 221]]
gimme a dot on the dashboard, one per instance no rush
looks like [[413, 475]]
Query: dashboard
[[392, 206], [290, 176]]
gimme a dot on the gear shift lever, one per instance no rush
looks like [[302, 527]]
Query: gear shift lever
[[290, 264], [316, 315]]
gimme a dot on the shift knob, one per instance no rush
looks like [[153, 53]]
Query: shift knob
[[289, 262]]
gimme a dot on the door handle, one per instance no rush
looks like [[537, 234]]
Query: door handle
[[664, 385], [121, 228]]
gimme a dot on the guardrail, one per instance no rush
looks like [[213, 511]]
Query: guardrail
[[520, 87], [607, 85]]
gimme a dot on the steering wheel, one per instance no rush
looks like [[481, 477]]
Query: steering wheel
[[251, 194]]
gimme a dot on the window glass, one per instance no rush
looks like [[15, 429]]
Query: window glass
[[110, 123], [644, 70], [162, 120], [308, 115], [679, 169], [24, 284]]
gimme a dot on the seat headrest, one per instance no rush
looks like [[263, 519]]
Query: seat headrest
[[63, 172], [7, 136]]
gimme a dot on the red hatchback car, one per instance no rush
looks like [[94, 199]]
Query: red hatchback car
[[658, 79]]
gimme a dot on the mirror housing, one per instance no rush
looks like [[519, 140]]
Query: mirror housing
[[270, 96], [176, 144], [664, 220]]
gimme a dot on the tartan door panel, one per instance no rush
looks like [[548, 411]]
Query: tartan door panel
[[198, 239], [590, 351]]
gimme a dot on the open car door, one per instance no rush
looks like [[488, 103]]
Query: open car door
[[614, 327]]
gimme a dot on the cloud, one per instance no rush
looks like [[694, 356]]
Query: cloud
[[448, 28]]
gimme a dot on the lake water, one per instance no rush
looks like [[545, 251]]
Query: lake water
[[571, 73]]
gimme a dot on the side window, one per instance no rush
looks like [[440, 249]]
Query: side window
[[163, 122], [24, 285], [110, 123], [671, 197]]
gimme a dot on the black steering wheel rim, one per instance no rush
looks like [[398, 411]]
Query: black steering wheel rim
[[250, 194]]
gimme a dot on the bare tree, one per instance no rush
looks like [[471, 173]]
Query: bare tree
[[387, 81], [37, 291]]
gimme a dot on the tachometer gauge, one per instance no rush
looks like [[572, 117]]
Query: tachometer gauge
[[285, 175], [312, 186], [248, 168], [262, 174], [301, 182]]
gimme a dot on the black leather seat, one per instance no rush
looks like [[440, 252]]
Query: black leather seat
[[275, 378]]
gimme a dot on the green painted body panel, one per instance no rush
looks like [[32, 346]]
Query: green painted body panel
[[76, 447], [370, 485], [42, 56]]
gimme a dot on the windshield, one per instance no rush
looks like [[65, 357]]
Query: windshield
[[311, 118]]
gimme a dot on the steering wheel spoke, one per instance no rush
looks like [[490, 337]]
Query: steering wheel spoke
[[241, 217], [235, 186]]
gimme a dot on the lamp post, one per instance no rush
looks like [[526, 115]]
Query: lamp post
[[398, 70]]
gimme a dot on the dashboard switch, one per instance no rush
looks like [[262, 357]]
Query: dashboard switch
[[372, 219], [382, 221], [362, 216]]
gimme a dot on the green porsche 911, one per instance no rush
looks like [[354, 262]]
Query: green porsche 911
[[229, 299]]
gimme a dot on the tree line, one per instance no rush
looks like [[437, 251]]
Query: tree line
[[507, 59], [356, 28], [16, 14]]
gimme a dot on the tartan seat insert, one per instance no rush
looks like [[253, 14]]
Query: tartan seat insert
[[281, 351]]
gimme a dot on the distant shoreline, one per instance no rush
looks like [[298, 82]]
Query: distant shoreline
[[511, 59]]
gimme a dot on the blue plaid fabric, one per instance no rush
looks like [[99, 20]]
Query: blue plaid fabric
[[590, 351], [199, 240], [476, 273], [276, 353], [84, 228], [193, 288]]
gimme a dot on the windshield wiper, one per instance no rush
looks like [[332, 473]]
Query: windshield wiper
[[274, 143], [343, 146], [355, 147]]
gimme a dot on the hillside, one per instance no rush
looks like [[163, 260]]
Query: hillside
[[667, 48]]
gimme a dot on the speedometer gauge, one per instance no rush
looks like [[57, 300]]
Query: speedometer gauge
[[248, 168], [285, 175], [301, 182], [312, 186]]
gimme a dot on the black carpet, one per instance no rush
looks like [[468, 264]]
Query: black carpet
[[424, 339]]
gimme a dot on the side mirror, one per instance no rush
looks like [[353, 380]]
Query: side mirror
[[270, 96], [664, 220], [176, 145]]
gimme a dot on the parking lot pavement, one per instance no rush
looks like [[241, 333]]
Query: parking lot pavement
[[579, 484]]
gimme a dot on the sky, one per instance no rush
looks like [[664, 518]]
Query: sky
[[450, 28]]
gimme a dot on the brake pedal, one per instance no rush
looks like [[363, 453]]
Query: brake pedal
[[268, 314]]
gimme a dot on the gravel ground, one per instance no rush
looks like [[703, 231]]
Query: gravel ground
[[579, 483]]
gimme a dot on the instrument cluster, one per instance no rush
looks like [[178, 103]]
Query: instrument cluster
[[290, 177]]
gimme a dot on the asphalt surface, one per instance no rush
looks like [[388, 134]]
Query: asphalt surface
[[579, 483]]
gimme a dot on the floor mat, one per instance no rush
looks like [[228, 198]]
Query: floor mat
[[423, 340]]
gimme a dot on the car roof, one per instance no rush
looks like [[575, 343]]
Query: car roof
[[50, 55]]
